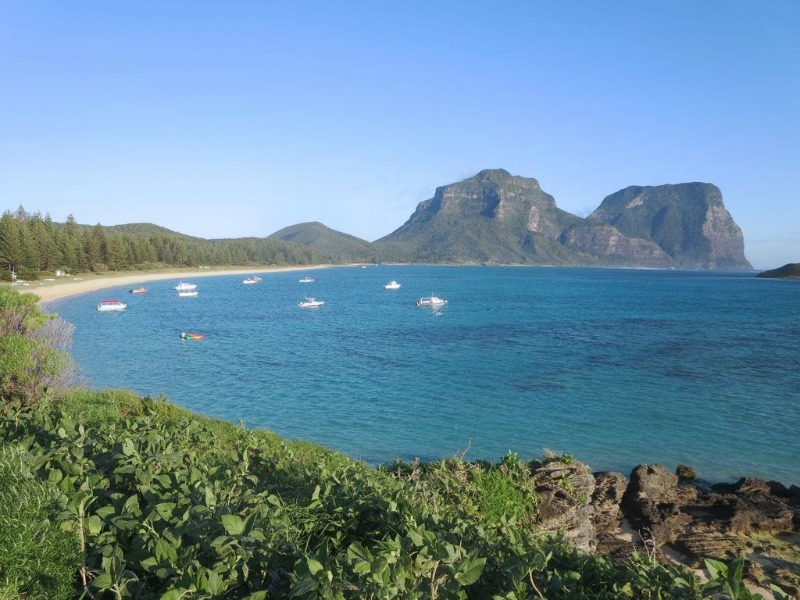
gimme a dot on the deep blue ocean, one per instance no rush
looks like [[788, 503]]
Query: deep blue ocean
[[616, 367]]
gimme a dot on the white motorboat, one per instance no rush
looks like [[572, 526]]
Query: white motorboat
[[251, 280], [183, 287], [310, 303], [111, 306], [187, 293], [392, 285], [306, 279], [431, 302]]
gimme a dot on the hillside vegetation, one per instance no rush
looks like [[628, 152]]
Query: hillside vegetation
[[111, 495], [491, 218], [788, 271], [340, 247], [31, 244], [499, 218]]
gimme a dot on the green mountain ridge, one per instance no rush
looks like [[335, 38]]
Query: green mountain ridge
[[498, 218], [491, 218]]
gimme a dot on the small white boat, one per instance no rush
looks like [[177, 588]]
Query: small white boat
[[182, 287], [187, 293], [392, 285], [111, 305], [432, 302], [306, 279], [251, 280], [310, 303]]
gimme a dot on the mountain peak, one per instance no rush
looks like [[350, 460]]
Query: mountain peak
[[496, 217]]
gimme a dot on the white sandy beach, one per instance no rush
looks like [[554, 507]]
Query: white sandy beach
[[65, 287]]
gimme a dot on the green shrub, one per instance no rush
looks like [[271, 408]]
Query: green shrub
[[37, 558], [496, 496]]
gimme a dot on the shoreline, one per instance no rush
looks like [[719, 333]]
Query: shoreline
[[50, 291]]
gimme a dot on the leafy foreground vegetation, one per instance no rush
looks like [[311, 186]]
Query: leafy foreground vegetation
[[110, 495]]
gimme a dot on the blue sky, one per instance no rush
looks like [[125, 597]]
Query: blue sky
[[237, 118]]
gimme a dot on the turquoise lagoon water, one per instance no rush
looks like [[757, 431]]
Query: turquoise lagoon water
[[617, 367]]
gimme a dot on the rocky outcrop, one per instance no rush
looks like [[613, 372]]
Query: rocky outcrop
[[680, 516], [609, 489], [565, 493]]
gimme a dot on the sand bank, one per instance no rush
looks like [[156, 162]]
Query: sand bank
[[64, 287]]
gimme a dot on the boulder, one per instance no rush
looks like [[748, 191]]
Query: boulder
[[609, 487], [565, 491]]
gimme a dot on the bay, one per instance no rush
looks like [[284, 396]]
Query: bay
[[616, 367]]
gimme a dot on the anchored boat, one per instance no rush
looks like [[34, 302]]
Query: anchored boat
[[111, 306], [310, 303], [431, 302]]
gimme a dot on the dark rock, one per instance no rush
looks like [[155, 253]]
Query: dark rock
[[565, 492], [778, 489], [608, 491], [751, 485], [697, 545], [685, 473], [754, 512], [653, 501]]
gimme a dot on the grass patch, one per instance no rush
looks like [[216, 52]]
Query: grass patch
[[38, 559]]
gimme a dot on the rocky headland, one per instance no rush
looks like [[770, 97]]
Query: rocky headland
[[788, 271], [676, 518]]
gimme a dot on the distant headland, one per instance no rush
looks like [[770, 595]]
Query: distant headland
[[788, 271]]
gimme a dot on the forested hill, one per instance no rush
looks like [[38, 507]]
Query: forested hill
[[341, 247], [31, 244]]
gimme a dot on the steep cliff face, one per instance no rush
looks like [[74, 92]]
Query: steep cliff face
[[687, 221], [493, 217], [496, 217], [613, 248]]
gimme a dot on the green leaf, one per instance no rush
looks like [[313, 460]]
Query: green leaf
[[211, 498], [314, 566], [165, 552], [716, 569], [102, 581], [304, 586], [416, 537], [216, 583], [361, 567], [128, 449], [260, 595], [164, 510], [233, 524], [94, 524], [357, 552], [174, 594], [105, 511], [55, 475], [469, 570]]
